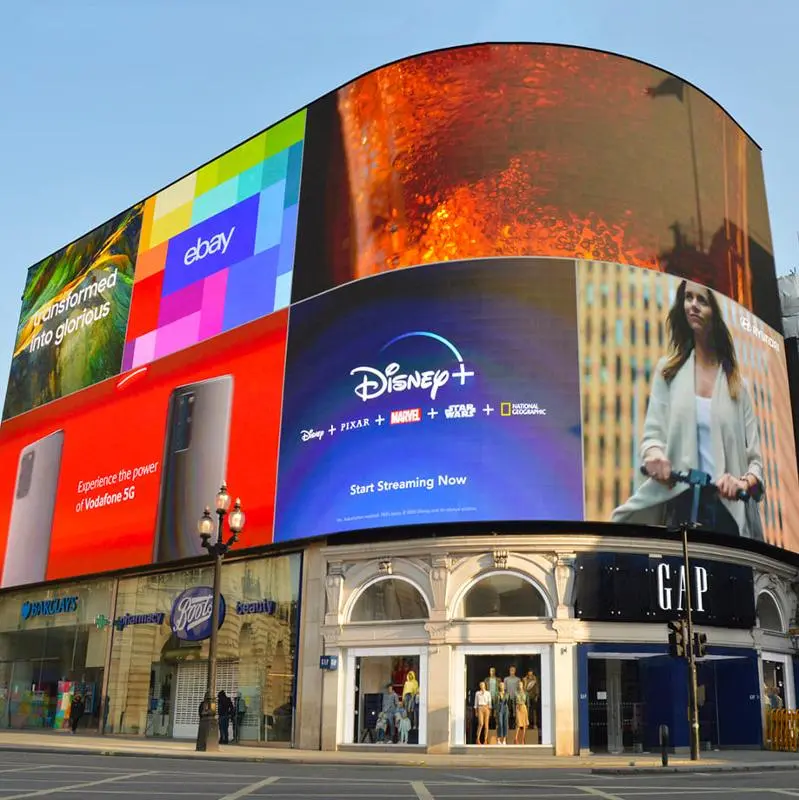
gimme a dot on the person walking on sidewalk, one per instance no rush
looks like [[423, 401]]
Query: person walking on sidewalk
[[240, 705], [76, 711], [224, 707]]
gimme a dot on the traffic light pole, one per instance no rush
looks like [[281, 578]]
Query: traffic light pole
[[693, 705]]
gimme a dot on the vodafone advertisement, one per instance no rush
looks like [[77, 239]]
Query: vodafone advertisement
[[118, 476]]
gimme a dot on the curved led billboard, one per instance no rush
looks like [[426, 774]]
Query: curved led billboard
[[507, 150], [533, 389], [487, 283]]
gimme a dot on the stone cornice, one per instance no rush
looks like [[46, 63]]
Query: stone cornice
[[549, 545]]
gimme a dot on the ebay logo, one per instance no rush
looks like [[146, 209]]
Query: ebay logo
[[207, 247], [213, 244]]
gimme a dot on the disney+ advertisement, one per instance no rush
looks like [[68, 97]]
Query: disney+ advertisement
[[444, 393]]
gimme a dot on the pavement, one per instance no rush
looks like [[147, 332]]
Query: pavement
[[69, 775], [63, 742]]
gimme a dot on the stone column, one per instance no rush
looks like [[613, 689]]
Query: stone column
[[564, 700], [308, 714], [329, 683], [439, 676]]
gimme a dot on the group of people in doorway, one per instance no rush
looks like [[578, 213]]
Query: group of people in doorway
[[512, 701], [229, 711]]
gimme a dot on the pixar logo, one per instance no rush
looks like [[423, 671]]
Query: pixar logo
[[207, 247]]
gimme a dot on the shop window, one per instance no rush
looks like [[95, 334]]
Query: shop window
[[768, 615], [503, 699], [773, 684], [50, 662], [157, 679], [390, 599], [387, 700], [503, 595]]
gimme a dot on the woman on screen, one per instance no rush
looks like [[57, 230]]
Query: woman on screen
[[700, 416]]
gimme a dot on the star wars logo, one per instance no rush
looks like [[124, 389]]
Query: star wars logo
[[460, 411]]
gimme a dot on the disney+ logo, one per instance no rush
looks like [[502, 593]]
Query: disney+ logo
[[376, 382]]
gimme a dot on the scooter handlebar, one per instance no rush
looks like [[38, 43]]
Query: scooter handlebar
[[695, 477]]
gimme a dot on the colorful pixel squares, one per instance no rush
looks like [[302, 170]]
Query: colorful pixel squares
[[217, 247]]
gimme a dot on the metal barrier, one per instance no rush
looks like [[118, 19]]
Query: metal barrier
[[782, 729]]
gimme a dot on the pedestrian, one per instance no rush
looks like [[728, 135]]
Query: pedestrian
[[238, 718], [76, 711], [224, 708]]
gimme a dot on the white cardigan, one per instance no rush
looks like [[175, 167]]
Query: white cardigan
[[671, 425]]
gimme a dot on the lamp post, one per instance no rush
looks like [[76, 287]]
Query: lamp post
[[208, 733]]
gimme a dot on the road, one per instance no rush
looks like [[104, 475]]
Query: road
[[27, 775]]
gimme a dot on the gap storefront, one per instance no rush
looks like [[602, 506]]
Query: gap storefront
[[136, 648]]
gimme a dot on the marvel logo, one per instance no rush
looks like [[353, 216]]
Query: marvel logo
[[406, 415]]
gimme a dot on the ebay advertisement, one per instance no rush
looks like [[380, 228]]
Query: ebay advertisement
[[217, 247], [445, 393]]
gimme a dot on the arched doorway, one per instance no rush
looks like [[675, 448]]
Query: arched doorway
[[512, 680], [387, 684]]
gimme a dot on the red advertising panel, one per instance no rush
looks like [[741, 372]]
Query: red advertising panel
[[118, 475]]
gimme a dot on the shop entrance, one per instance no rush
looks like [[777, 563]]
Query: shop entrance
[[192, 677], [520, 677], [524, 670], [616, 712], [774, 694], [50, 667], [387, 700], [625, 698]]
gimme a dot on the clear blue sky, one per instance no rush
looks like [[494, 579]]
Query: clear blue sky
[[103, 102]]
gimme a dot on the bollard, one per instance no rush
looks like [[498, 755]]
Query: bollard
[[663, 735]]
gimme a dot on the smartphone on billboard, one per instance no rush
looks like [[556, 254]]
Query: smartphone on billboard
[[31, 522], [195, 464]]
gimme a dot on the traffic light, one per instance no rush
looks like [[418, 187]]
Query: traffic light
[[700, 645], [678, 634]]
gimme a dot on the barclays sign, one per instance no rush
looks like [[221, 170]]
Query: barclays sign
[[190, 619], [48, 608]]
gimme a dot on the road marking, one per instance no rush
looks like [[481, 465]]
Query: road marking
[[72, 787], [25, 769], [597, 792], [462, 778], [784, 791], [248, 789], [421, 790]]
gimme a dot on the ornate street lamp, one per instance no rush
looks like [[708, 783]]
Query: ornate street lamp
[[208, 733]]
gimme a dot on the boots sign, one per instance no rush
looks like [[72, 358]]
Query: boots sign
[[625, 587], [672, 588]]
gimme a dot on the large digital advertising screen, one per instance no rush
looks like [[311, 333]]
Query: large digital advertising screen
[[119, 475], [649, 391], [217, 247], [487, 283], [450, 393], [75, 305], [540, 150], [205, 255], [408, 396]]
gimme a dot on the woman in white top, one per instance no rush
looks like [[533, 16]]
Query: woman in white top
[[482, 710], [700, 416]]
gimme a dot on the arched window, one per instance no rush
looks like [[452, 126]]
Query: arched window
[[389, 599], [504, 595], [768, 614]]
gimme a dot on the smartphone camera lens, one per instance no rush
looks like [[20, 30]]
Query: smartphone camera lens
[[183, 419], [25, 475]]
